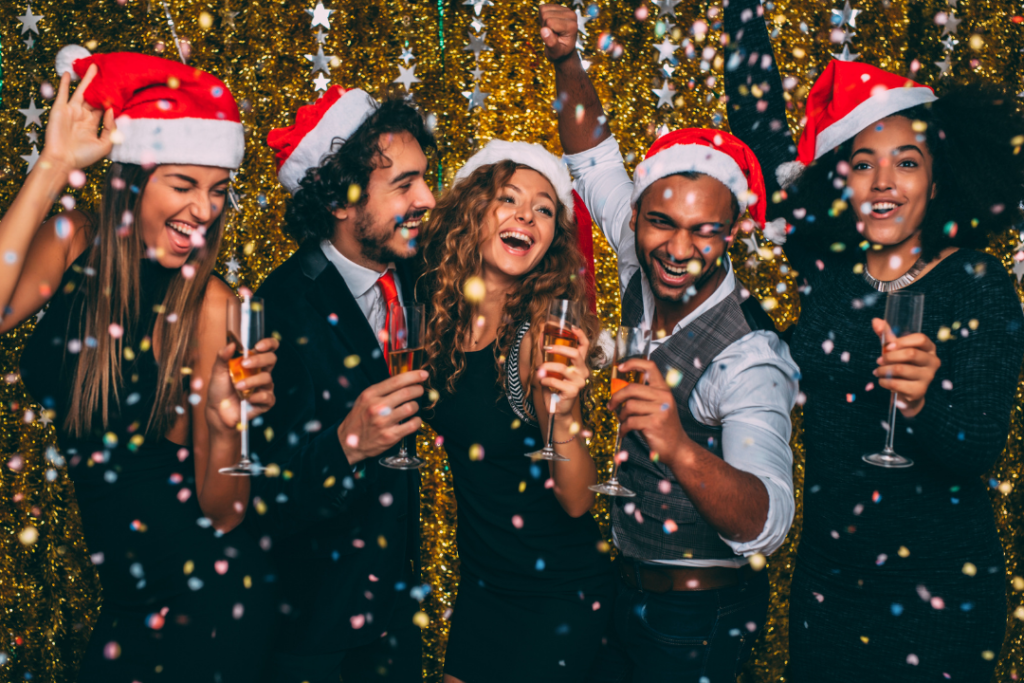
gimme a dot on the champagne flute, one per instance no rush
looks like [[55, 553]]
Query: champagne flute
[[630, 342], [903, 312], [562, 316], [246, 326], [407, 328]]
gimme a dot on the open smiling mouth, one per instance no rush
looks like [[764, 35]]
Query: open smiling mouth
[[516, 242], [181, 235], [883, 209], [673, 274]]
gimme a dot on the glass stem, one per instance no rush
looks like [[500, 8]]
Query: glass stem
[[892, 423], [615, 456], [551, 425], [245, 431]]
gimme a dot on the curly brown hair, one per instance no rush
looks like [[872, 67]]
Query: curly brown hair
[[451, 255]]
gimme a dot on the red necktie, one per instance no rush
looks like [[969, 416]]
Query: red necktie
[[390, 291]]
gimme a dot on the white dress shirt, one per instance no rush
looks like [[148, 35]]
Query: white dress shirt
[[748, 390], [362, 282]]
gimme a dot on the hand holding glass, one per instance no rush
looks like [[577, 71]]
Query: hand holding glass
[[246, 326], [407, 327], [562, 317], [903, 312], [630, 342]]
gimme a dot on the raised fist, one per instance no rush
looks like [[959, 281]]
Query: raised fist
[[558, 29]]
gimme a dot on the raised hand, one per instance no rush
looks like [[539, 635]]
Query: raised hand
[[651, 410], [73, 138], [573, 376], [558, 30], [223, 406], [907, 366], [375, 422]]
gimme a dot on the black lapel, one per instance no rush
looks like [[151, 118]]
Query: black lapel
[[406, 280], [329, 294]]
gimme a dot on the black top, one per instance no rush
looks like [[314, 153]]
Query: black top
[[512, 532], [857, 515], [136, 494]]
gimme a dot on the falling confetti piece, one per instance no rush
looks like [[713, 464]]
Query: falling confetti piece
[[357, 621], [758, 562], [474, 290], [421, 619], [111, 650], [28, 536]]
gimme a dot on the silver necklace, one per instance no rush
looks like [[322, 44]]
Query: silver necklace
[[900, 282]]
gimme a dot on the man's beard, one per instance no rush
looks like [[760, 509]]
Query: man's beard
[[707, 272], [374, 241]]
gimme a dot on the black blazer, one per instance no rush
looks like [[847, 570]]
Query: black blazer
[[342, 540]]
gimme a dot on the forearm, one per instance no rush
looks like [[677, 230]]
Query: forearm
[[732, 501], [572, 479], [223, 498], [576, 93]]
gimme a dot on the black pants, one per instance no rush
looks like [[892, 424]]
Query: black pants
[[684, 636]]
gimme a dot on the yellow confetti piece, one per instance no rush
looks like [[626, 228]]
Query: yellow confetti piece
[[988, 655], [433, 395], [247, 581], [516, 424], [128, 354], [272, 470], [474, 290], [864, 639], [421, 619], [758, 562], [382, 542], [351, 361], [354, 193], [28, 536], [189, 566], [268, 434], [944, 333], [1019, 613], [522, 486], [476, 452], [1005, 487], [1018, 583], [603, 546], [205, 20], [329, 482], [673, 377], [261, 506], [969, 569], [903, 551]]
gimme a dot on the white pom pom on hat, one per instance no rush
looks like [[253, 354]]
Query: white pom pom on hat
[[67, 57]]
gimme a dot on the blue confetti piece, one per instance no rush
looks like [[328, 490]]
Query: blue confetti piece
[[960, 436], [954, 501], [529, 442], [896, 609], [540, 564], [535, 471], [967, 606], [562, 630]]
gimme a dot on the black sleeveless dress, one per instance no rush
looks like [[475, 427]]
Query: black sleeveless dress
[[535, 594], [180, 601]]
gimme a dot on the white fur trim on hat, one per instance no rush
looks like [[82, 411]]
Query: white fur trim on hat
[[66, 58], [203, 142], [340, 121], [528, 154], [693, 159], [775, 230], [874, 108]]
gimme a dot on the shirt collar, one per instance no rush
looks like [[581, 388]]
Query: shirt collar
[[725, 288], [359, 279]]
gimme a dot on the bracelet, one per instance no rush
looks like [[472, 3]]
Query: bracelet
[[562, 443]]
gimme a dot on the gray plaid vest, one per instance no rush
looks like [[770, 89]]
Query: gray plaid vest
[[690, 351]]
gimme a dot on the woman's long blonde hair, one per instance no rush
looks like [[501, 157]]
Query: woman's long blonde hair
[[451, 250], [110, 294]]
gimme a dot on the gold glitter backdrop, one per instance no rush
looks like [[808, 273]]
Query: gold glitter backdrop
[[49, 592]]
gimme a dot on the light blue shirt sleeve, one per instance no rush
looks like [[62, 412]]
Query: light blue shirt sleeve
[[749, 390], [605, 186]]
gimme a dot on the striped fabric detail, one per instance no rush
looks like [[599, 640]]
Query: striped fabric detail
[[513, 383]]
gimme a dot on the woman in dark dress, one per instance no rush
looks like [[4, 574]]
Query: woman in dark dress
[[535, 583], [900, 574], [128, 360]]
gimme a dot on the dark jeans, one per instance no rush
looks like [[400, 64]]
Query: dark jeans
[[683, 636]]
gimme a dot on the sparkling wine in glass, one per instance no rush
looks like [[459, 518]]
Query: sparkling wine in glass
[[630, 342], [562, 316], [903, 313], [246, 326], [407, 327]]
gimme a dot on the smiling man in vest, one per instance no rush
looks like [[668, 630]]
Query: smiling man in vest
[[707, 438]]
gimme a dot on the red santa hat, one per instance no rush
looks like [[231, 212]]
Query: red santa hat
[[165, 112], [297, 148], [527, 154], [714, 153], [847, 98]]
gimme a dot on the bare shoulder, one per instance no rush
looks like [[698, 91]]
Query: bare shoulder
[[67, 234]]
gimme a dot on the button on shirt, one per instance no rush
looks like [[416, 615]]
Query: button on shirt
[[362, 282], [749, 389]]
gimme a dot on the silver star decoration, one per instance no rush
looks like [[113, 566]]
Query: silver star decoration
[[233, 265], [30, 42], [847, 16], [31, 114], [44, 418], [751, 243], [848, 35], [31, 158], [320, 36], [944, 66], [950, 43], [952, 23], [321, 16], [39, 314], [665, 95], [33, 136], [665, 49], [581, 22], [321, 82], [1018, 270], [321, 62], [477, 25], [478, 5], [476, 97], [29, 21], [667, 7], [952, 3], [478, 73], [846, 55], [229, 17], [477, 44], [407, 76], [407, 55]]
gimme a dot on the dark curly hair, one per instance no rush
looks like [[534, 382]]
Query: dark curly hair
[[325, 188], [973, 133]]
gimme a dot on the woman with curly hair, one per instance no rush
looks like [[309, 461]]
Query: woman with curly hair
[[534, 576], [900, 574]]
